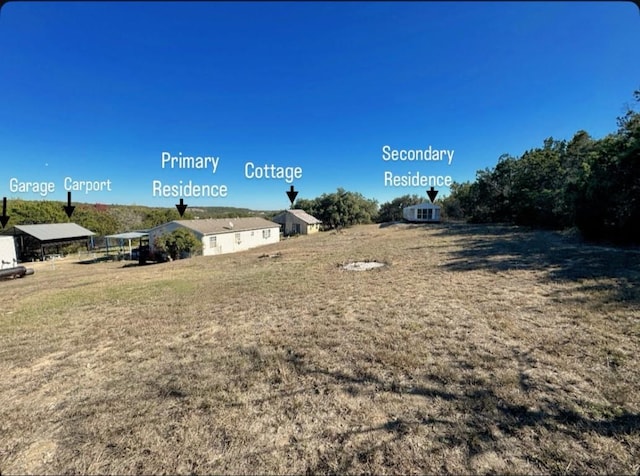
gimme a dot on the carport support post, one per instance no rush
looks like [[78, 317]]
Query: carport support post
[[142, 254]]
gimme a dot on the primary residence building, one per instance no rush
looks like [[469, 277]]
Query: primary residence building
[[224, 235]]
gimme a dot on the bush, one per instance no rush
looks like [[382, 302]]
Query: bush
[[178, 244]]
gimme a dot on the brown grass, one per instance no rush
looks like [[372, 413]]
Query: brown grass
[[476, 350]]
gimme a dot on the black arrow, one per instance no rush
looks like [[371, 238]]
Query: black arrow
[[68, 209], [181, 207], [292, 194], [432, 194], [4, 218]]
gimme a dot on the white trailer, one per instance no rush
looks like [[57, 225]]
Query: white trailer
[[7, 252]]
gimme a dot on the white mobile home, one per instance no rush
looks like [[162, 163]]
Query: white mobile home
[[224, 235], [295, 222], [8, 252], [423, 212]]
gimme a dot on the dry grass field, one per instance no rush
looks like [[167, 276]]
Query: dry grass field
[[477, 349]]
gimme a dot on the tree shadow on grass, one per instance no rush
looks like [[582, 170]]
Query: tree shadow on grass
[[476, 412], [501, 248]]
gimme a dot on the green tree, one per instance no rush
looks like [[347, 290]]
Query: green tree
[[159, 216], [128, 218], [591, 184], [178, 243], [34, 212], [100, 222], [340, 209], [580, 152], [538, 186], [309, 206], [392, 211], [458, 203]]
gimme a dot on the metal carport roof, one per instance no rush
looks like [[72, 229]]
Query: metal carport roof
[[131, 235], [54, 231]]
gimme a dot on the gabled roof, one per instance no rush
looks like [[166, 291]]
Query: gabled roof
[[423, 205], [213, 226], [55, 231], [301, 214]]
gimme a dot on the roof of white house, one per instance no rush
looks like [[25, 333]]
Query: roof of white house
[[55, 231], [214, 226], [301, 214], [423, 205]]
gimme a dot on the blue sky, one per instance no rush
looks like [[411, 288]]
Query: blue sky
[[96, 91]]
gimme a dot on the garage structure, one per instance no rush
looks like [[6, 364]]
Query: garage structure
[[296, 221], [39, 242], [223, 235], [423, 213]]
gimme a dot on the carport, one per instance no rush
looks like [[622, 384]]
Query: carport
[[38, 242], [131, 235]]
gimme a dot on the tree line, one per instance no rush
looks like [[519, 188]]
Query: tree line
[[109, 219], [101, 219], [340, 209], [585, 183], [591, 184]]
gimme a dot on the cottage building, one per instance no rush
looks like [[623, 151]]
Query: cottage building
[[294, 222], [423, 212], [224, 235]]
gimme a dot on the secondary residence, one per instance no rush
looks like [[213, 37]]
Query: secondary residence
[[422, 213], [224, 235]]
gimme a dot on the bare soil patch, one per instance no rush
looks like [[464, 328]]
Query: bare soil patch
[[479, 349], [362, 265]]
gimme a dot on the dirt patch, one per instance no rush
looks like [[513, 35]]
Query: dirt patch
[[362, 265]]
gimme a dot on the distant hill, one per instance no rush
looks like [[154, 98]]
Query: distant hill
[[105, 219], [228, 212]]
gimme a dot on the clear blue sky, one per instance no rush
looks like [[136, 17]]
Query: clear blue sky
[[97, 91]]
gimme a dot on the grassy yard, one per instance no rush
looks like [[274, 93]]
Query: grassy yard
[[477, 349]]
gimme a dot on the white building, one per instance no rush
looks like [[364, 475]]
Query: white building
[[8, 257], [295, 222], [224, 235], [423, 212]]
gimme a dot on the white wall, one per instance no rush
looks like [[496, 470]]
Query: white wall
[[226, 242], [7, 252], [238, 241], [411, 213]]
